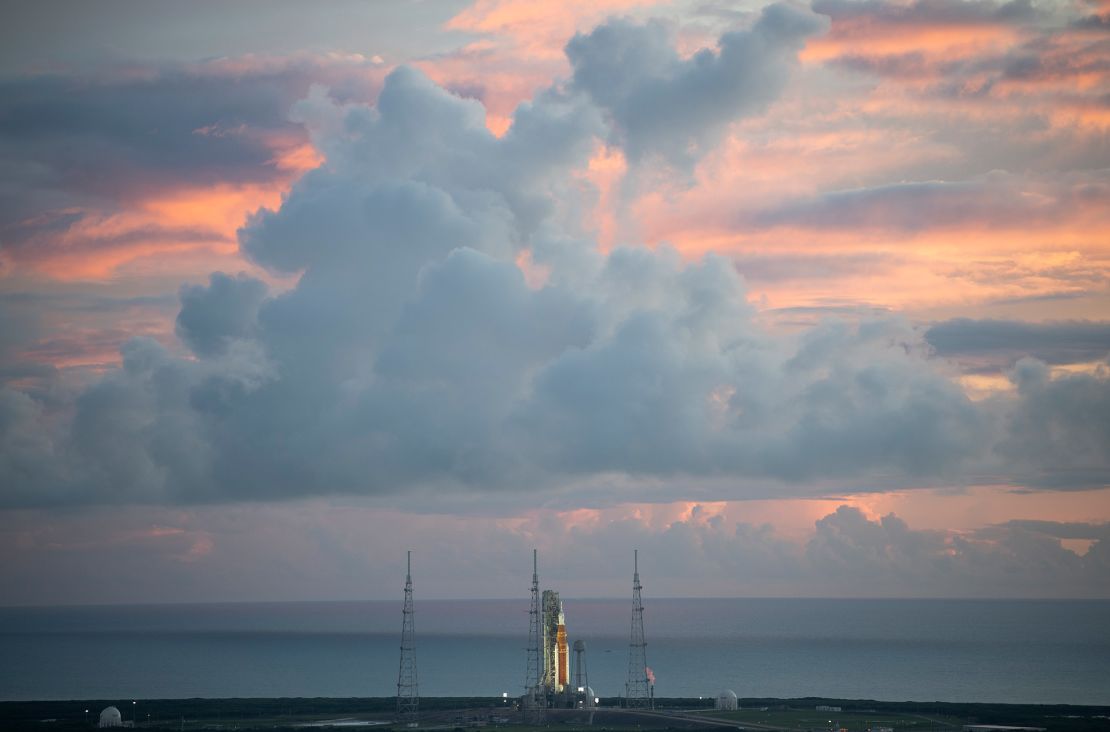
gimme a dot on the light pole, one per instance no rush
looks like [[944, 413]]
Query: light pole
[[133, 703], [86, 717]]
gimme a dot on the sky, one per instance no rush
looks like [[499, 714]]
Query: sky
[[797, 299]]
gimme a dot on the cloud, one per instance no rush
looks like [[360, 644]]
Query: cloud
[[311, 549], [226, 309], [1062, 530], [881, 33], [785, 267], [86, 155], [413, 361], [932, 12], [115, 135], [676, 108], [1059, 429], [998, 200], [53, 344], [1015, 559], [1061, 342]]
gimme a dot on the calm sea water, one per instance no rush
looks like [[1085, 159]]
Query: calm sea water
[[924, 650]]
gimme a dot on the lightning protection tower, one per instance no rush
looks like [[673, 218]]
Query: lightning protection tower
[[408, 693], [534, 694], [585, 695], [638, 689]]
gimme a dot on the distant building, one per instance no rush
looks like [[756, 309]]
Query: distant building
[[827, 708], [999, 728], [110, 717], [727, 700]]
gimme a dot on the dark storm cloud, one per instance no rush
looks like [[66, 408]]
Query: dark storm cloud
[[1058, 342], [664, 105]]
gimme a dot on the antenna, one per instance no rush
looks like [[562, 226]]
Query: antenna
[[408, 692], [638, 690]]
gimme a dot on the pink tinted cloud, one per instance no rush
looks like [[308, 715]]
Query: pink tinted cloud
[[181, 190], [956, 213], [164, 228], [354, 550], [518, 51]]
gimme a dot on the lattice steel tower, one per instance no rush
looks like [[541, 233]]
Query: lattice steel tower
[[408, 692], [638, 689], [534, 694]]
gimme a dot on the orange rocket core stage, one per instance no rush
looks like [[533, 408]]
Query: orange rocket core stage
[[561, 649]]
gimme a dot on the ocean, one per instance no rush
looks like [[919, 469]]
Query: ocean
[[1020, 651]]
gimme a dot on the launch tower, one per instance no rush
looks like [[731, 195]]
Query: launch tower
[[638, 689], [408, 693], [534, 695]]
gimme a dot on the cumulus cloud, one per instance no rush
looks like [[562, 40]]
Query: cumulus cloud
[[1012, 559], [675, 108], [1059, 429], [334, 550], [225, 310], [413, 357]]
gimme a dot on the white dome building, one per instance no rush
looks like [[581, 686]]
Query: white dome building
[[727, 700], [110, 717]]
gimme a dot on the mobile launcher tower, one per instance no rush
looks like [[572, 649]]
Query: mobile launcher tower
[[548, 677]]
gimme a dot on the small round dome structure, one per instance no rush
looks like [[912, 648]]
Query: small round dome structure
[[110, 717], [727, 700]]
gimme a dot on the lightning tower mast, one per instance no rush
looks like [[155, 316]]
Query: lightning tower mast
[[408, 693], [534, 695], [638, 689]]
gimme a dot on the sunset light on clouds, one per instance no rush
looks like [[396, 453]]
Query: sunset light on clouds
[[812, 295]]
